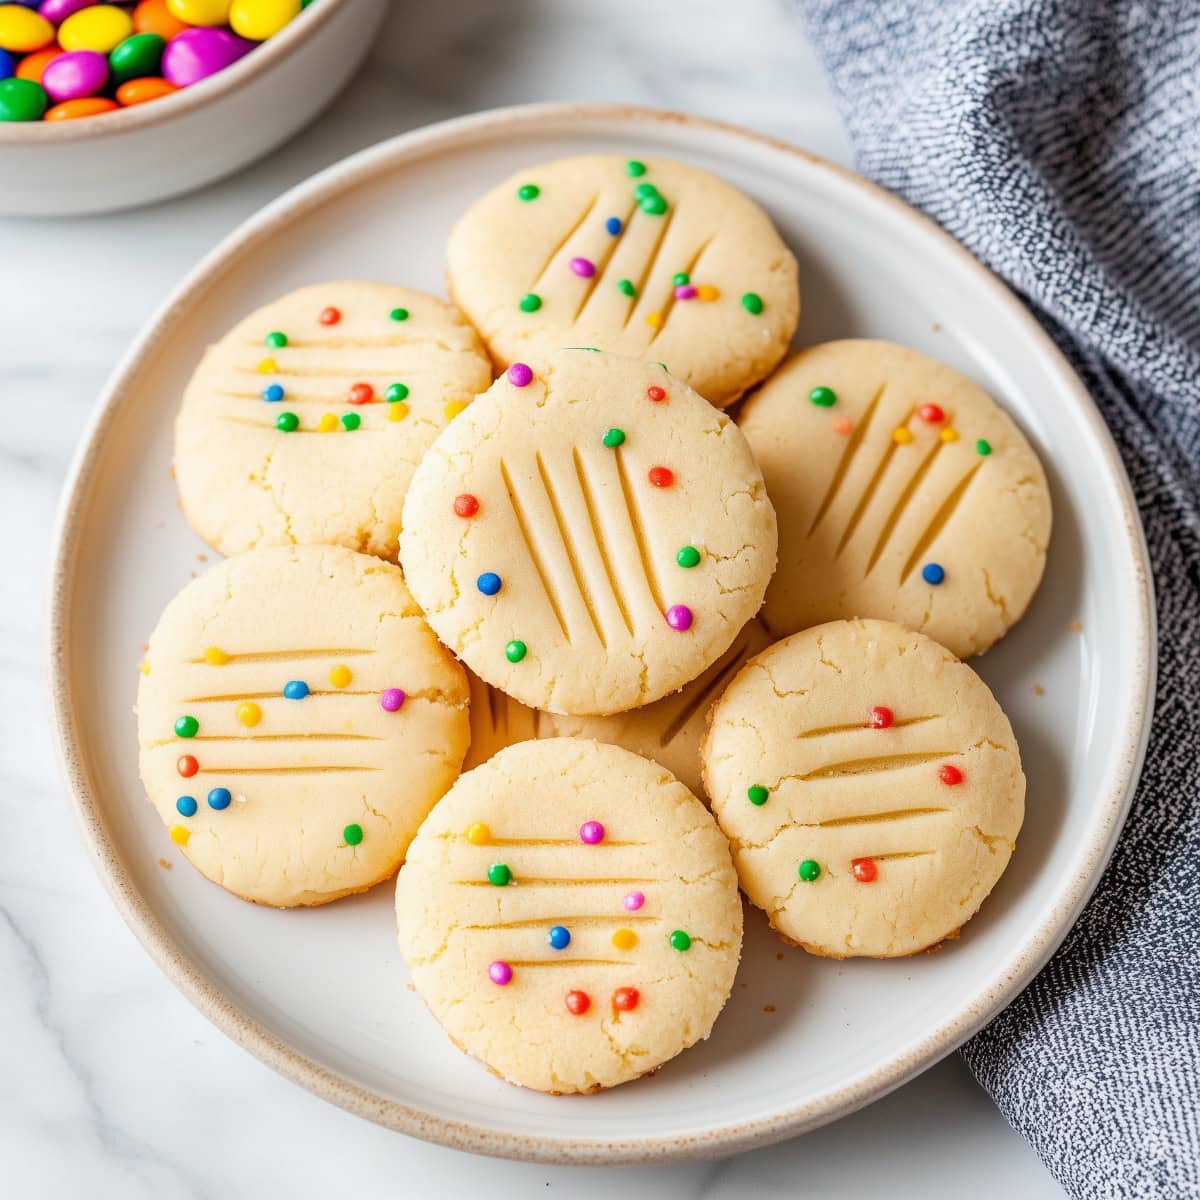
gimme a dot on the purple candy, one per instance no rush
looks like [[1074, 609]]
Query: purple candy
[[500, 973], [195, 54], [75, 74], [520, 375], [390, 699], [685, 291], [583, 267], [591, 832], [679, 617], [58, 11]]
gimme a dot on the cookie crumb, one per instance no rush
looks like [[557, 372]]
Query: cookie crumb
[[768, 1008], [166, 866], [202, 558], [1076, 627], [1038, 690]]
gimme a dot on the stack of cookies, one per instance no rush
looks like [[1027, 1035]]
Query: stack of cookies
[[508, 590]]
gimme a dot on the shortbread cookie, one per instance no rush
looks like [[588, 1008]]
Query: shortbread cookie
[[304, 423], [903, 493], [297, 720], [590, 535], [497, 721], [870, 786], [671, 729], [578, 941], [654, 259]]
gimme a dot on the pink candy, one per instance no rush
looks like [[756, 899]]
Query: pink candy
[[583, 267], [685, 291], [75, 74], [196, 54], [57, 11], [679, 617]]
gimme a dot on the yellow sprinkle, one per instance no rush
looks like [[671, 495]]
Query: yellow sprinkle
[[267, 367], [706, 291], [654, 319], [454, 408], [340, 675], [327, 424], [478, 834], [215, 656], [249, 713], [624, 939], [949, 435], [144, 666], [901, 436], [397, 411], [180, 835]]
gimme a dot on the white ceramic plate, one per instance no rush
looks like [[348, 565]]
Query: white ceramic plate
[[320, 995]]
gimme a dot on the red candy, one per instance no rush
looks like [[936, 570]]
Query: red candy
[[330, 316], [931, 413], [661, 476], [949, 774], [881, 718], [864, 870], [578, 1003], [187, 766], [655, 393], [626, 999], [465, 505], [361, 393]]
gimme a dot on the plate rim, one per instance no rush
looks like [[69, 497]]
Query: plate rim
[[205, 994]]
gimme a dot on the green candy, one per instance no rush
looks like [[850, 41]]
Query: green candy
[[351, 421], [626, 288], [499, 874], [136, 57], [809, 870], [528, 191], [613, 438], [187, 727], [515, 651], [21, 100], [681, 279], [287, 422], [398, 391], [530, 302], [983, 447], [643, 190], [653, 206], [752, 302], [398, 314], [688, 557], [757, 795], [635, 168], [276, 340], [680, 941], [352, 834], [823, 397]]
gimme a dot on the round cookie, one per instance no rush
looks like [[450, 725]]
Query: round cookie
[[903, 492], [588, 537], [870, 786], [304, 423], [576, 942], [653, 259], [670, 730], [297, 720]]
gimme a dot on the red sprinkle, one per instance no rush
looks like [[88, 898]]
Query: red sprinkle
[[655, 393], [864, 870], [932, 413], [843, 425], [330, 316], [882, 718], [626, 999], [949, 774], [361, 393], [187, 766], [578, 1003], [661, 476], [466, 505]]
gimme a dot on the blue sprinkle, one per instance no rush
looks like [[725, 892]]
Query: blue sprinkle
[[932, 573], [186, 806], [218, 798], [560, 937], [613, 225], [295, 689], [488, 583], [272, 393]]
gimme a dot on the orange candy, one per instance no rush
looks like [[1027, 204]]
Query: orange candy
[[85, 106], [138, 91], [32, 65], [153, 16]]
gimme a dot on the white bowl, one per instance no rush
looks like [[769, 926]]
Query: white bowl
[[183, 141]]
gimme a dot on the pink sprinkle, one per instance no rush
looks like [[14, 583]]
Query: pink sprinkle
[[390, 699], [843, 425], [685, 291], [679, 617], [583, 267], [591, 832], [520, 375], [500, 973], [634, 900]]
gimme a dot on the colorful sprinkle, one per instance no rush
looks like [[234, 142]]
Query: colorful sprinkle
[[186, 806], [823, 397], [655, 393], [933, 573], [613, 225], [351, 421], [625, 999], [624, 939], [654, 319], [591, 833], [220, 798], [215, 656], [520, 374], [661, 477], [515, 651], [578, 1003], [653, 205], [757, 795], [707, 293], [983, 447], [272, 393], [187, 765], [634, 168], [528, 191], [267, 366], [452, 409], [295, 689], [478, 834], [931, 414], [864, 870], [613, 438], [248, 713], [687, 557], [500, 973], [328, 423], [499, 875], [276, 340], [361, 393], [949, 434], [583, 267], [330, 315], [465, 505], [949, 774], [881, 717], [287, 422], [679, 617], [686, 292], [901, 436], [809, 870], [187, 727], [530, 302], [488, 583], [633, 901], [680, 940], [396, 392], [352, 835], [626, 288], [843, 425], [680, 278], [179, 835], [391, 699], [752, 302], [340, 675], [397, 412], [559, 937]]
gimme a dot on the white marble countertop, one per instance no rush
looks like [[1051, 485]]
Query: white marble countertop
[[111, 1084]]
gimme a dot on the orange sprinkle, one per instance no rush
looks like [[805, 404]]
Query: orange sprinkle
[[843, 425], [949, 434], [901, 436], [706, 291]]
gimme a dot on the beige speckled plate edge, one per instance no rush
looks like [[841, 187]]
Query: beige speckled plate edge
[[1026, 960]]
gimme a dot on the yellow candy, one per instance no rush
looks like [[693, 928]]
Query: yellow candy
[[249, 713], [340, 676], [327, 424], [397, 412], [478, 834], [180, 835], [706, 291], [144, 666], [99, 28], [654, 319], [200, 12], [215, 657], [22, 30], [261, 19], [949, 435], [267, 367], [901, 436], [624, 939], [454, 408]]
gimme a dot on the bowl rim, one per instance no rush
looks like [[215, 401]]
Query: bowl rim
[[265, 56], [994, 993]]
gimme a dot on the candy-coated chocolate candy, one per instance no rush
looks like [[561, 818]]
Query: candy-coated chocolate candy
[[186, 806], [465, 505], [680, 940], [515, 651], [361, 393], [613, 438], [949, 774], [352, 835], [528, 191], [661, 476], [220, 798], [179, 835], [752, 302], [215, 656], [57, 11], [757, 795], [881, 717], [520, 374], [823, 397], [261, 19], [351, 421], [187, 766], [340, 676], [559, 937], [478, 834], [864, 870], [625, 999], [809, 870], [398, 314], [186, 727], [578, 1003], [102, 27], [86, 106], [583, 267], [499, 875], [75, 74], [32, 66], [933, 573], [624, 939], [22, 31], [137, 57], [530, 302], [679, 617], [688, 557], [500, 973], [287, 422], [635, 168], [396, 392], [248, 713], [200, 12], [153, 16], [272, 393], [21, 100], [488, 583], [295, 689], [655, 393], [196, 54]]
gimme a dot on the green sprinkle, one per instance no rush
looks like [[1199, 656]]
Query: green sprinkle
[[810, 869], [688, 556], [643, 190], [635, 168], [681, 279], [397, 391], [398, 314], [351, 421], [823, 397], [664, 367], [626, 288], [983, 447], [187, 727], [499, 874], [589, 349], [614, 437], [515, 651], [530, 302], [352, 835], [653, 206], [276, 340], [757, 795], [680, 941], [287, 422], [752, 302], [528, 191]]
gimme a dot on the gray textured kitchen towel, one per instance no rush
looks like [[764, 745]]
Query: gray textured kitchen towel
[[1060, 141]]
